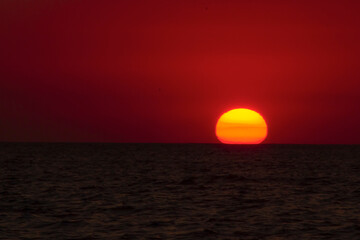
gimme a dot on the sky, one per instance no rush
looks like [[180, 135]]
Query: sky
[[165, 71]]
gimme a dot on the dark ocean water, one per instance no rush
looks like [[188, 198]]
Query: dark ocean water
[[179, 191]]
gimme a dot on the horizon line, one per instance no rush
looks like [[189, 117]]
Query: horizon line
[[210, 143]]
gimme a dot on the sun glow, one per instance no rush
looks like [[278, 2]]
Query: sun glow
[[241, 126]]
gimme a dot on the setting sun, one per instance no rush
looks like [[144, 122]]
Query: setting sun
[[241, 126]]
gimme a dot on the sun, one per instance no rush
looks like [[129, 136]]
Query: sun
[[241, 126]]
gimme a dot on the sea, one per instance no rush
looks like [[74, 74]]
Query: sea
[[179, 191]]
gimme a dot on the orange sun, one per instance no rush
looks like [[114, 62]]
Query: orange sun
[[241, 126]]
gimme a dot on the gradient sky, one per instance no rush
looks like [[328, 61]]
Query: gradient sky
[[164, 71]]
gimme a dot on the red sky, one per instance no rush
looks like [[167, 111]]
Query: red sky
[[164, 71]]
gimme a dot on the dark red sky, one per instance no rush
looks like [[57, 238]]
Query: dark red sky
[[164, 71]]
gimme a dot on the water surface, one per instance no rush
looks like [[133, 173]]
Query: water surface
[[179, 191]]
